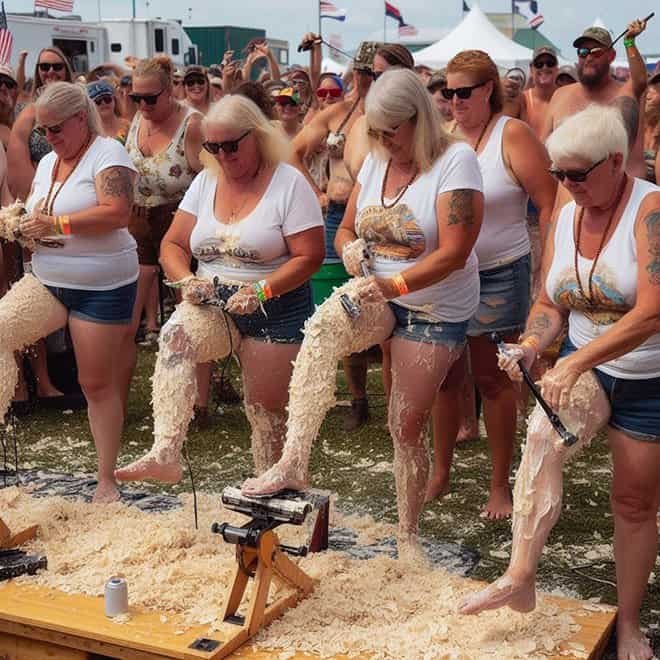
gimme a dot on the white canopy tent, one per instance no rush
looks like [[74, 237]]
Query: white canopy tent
[[475, 32], [329, 65]]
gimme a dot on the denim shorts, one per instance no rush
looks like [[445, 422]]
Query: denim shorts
[[333, 217], [635, 403], [284, 319], [113, 307], [504, 299], [416, 326]]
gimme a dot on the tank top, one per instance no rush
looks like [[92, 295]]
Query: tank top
[[165, 177], [614, 285], [503, 237]]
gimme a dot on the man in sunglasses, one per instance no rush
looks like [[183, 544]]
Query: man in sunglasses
[[595, 85], [535, 101]]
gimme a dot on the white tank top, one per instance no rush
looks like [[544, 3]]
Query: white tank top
[[503, 237], [614, 285]]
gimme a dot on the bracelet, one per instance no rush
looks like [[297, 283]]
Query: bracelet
[[64, 222], [533, 343], [179, 284], [629, 43], [400, 284], [263, 290], [56, 224]]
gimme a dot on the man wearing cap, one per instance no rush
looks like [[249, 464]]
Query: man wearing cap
[[566, 75], [8, 95], [596, 85], [543, 72]]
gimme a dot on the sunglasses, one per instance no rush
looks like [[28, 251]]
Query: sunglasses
[[378, 134], [461, 92], [55, 129], [7, 83], [576, 176], [329, 92], [177, 83], [149, 99], [596, 51], [190, 81], [228, 146], [548, 64], [285, 102], [44, 67], [103, 100]]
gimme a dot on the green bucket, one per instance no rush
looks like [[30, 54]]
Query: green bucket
[[326, 279]]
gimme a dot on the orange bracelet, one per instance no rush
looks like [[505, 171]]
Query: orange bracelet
[[400, 284], [532, 342], [64, 222]]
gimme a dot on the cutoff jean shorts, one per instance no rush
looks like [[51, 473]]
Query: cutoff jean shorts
[[416, 326]]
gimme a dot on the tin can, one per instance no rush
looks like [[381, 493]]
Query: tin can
[[116, 597]]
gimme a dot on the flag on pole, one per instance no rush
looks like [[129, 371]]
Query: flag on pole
[[329, 10], [6, 38], [529, 9], [393, 12], [407, 30], [59, 5], [465, 7]]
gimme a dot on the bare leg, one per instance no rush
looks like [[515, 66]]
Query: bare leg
[[151, 306], [39, 364], [266, 398], [469, 428], [193, 334], [635, 501], [27, 312], [355, 368], [538, 493], [203, 376], [329, 335]]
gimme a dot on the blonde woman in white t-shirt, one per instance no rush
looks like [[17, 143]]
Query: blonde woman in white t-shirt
[[416, 208], [255, 227], [601, 271], [84, 265]]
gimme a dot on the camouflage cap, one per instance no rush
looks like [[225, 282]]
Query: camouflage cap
[[544, 50], [437, 79], [597, 34], [364, 56]]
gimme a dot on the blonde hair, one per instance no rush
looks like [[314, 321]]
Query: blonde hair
[[160, 66], [397, 96], [239, 112], [38, 82], [593, 134], [65, 99]]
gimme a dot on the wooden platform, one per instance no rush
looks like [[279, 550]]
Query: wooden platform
[[46, 624]]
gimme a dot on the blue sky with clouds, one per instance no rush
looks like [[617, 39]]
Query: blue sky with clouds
[[289, 19]]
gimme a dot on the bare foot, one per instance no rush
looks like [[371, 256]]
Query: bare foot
[[632, 643], [410, 550], [518, 595], [436, 487], [149, 468], [106, 492], [47, 391], [499, 505], [272, 481]]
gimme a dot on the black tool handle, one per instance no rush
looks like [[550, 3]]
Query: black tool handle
[[623, 34]]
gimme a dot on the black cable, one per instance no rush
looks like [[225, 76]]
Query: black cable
[[13, 420], [4, 451], [192, 482]]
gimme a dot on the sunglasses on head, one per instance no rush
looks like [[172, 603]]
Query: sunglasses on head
[[44, 67], [149, 99], [596, 51], [461, 92], [102, 100], [548, 64], [194, 80], [328, 92], [576, 176], [8, 83], [228, 146]]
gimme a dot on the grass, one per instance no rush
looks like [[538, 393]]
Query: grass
[[578, 560]]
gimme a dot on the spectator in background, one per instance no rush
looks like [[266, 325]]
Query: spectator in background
[[103, 95], [197, 88], [178, 90], [8, 94], [288, 105], [535, 100], [258, 95], [424, 72], [330, 90], [566, 75], [436, 83], [127, 107], [256, 50], [513, 84], [652, 131], [216, 88]]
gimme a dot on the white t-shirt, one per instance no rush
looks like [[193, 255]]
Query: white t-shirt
[[254, 247], [96, 263], [408, 232]]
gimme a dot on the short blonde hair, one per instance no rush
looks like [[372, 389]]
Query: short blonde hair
[[397, 96], [65, 99], [239, 112], [592, 134]]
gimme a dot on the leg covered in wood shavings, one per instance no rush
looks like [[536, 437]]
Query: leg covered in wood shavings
[[537, 495], [28, 312], [329, 336], [194, 334]]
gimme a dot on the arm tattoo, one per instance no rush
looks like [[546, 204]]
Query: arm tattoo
[[629, 109], [117, 182], [537, 325], [460, 208], [653, 234]]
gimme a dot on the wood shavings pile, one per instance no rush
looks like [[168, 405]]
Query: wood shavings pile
[[381, 606]]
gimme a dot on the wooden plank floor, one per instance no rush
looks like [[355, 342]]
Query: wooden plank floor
[[32, 616]]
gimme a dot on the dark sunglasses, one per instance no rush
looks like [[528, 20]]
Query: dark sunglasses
[[7, 83], [377, 134], [103, 100], [149, 99], [285, 101], [548, 64], [331, 92], [44, 67], [461, 92], [176, 83], [228, 146], [194, 80], [576, 176], [54, 129], [596, 51]]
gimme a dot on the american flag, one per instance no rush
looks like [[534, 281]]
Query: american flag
[[407, 30], [6, 38], [59, 5], [529, 9], [329, 10]]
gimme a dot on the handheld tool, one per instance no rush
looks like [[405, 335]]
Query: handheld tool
[[352, 308], [567, 437], [623, 34]]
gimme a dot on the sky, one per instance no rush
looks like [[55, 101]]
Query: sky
[[290, 19]]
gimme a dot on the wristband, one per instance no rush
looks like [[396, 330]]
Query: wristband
[[629, 43], [179, 284], [65, 224], [263, 290], [400, 284], [56, 224], [533, 343]]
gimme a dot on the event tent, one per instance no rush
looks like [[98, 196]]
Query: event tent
[[475, 31]]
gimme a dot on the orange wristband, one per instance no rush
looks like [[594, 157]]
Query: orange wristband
[[532, 342], [65, 224], [400, 284]]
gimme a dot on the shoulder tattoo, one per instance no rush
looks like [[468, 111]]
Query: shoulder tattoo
[[117, 182], [652, 222], [461, 211], [629, 109]]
